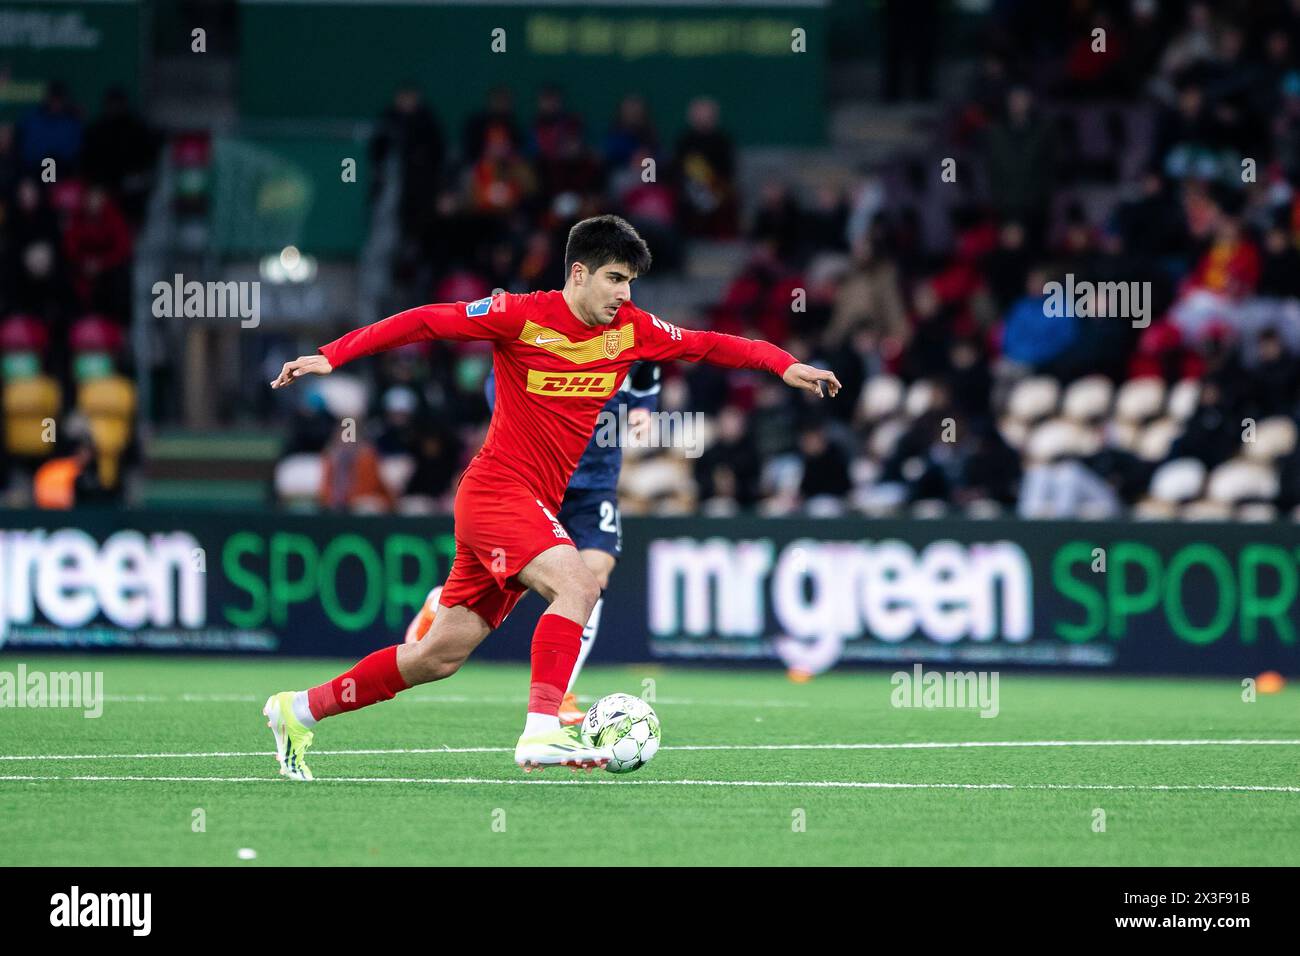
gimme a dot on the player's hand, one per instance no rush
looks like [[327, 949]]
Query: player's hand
[[303, 365], [810, 380]]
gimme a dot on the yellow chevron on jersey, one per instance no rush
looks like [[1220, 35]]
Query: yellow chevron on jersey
[[610, 345], [571, 384]]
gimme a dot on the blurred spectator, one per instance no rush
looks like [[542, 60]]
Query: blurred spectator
[[351, 479], [495, 120], [410, 134], [51, 130], [728, 472], [565, 164], [1033, 338], [437, 463], [10, 164], [825, 466], [97, 242], [1211, 435], [777, 220], [631, 134], [120, 154], [1019, 161], [1066, 489], [400, 430], [870, 300], [72, 477], [910, 34], [501, 180], [705, 166]]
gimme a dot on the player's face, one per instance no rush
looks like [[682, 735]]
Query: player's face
[[606, 290]]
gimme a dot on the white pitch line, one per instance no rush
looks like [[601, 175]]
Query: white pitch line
[[444, 699], [914, 745], [818, 784]]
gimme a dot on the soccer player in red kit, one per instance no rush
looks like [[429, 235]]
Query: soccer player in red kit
[[557, 357]]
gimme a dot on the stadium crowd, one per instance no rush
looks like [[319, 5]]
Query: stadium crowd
[[72, 197], [1166, 158]]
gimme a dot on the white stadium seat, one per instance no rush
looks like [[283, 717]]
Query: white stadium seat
[[1156, 439], [1140, 399], [1178, 481], [396, 471], [920, 398], [1240, 480], [299, 477], [1205, 510], [882, 397], [1033, 398], [1088, 399], [1275, 438], [1183, 399]]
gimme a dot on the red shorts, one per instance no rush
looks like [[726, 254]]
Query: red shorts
[[500, 527]]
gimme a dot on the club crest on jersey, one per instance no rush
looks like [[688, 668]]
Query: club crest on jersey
[[613, 343], [480, 307]]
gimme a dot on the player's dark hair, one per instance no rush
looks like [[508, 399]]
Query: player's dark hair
[[600, 240]]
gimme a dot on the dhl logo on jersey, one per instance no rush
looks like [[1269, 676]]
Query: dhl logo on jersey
[[571, 384]]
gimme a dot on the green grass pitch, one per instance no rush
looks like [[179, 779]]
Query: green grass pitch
[[438, 785]]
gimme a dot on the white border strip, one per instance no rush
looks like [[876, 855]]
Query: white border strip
[[780, 784], [918, 745]]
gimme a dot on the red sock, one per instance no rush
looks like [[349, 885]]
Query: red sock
[[373, 678], [555, 650]]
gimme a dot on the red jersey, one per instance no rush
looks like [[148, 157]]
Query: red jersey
[[553, 372]]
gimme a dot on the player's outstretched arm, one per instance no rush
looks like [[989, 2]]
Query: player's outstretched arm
[[302, 365], [488, 319], [663, 340]]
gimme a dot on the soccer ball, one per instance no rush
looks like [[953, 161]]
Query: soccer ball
[[628, 726]]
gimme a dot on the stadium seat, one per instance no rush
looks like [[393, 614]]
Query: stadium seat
[[1014, 432], [1183, 399], [417, 505], [1256, 511], [396, 471], [23, 333], [1205, 510], [881, 398], [983, 509], [107, 397], [1152, 509], [1275, 438], [1033, 399], [1059, 438], [298, 478], [1156, 439], [1139, 399], [346, 396], [28, 403], [94, 333], [1240, 480], [1178, 481], [884, 437], [109, 405], [921, 397], [1088, 399], [929, 509], [1122, 434]]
